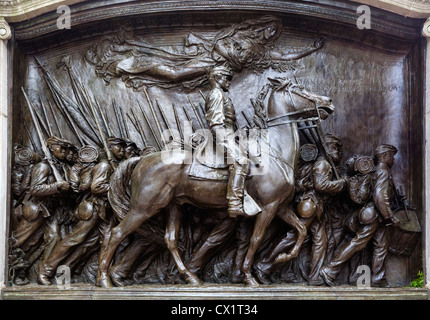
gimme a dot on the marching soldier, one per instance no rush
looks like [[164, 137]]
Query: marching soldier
[[317, 184], [46, 195], [373, 219], [92, 213], [24, 159]]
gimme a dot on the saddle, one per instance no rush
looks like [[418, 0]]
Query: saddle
[[204, 168], [203, 171]]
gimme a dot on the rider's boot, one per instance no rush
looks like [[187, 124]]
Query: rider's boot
[[235, 189]]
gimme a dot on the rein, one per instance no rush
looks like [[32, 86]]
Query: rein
[[295, 112]]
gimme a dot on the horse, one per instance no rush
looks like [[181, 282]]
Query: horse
[[161, 183]]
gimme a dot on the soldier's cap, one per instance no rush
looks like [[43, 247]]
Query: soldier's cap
[[131, 144], [112, 141], [384, 148], [55, 141], [331, 138]]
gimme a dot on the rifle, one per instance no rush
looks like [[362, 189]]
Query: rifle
[[102, 136], [155, 118], [45, 149]]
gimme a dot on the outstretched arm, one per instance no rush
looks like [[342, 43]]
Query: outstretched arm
[[316, 45]]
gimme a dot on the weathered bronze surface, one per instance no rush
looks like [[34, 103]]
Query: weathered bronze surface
[[119, 169]]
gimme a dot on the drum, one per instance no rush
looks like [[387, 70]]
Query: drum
[[404, 237]]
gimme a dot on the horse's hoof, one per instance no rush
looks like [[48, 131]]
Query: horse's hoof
[[283, 257], [251, 281], [103, 281], [194, 281]]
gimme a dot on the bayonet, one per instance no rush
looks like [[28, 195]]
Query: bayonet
[[199, 119], [138, 129], [45, 149], [102, 137], [163, 115], [178, 123], [149, 126], [151, 108]]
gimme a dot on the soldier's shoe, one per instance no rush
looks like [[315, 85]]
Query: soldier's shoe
[[236, 276], [117, 279], [42, 276], [327, 279], [43, 279], [381, 283]]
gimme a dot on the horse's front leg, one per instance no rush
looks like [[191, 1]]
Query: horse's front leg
[[174, 219], [130, 223], [261, 223], [290, 218]]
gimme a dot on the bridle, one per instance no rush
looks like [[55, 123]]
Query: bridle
[[295, 112]]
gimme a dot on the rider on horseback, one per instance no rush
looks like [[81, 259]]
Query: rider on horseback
[[221, 118]]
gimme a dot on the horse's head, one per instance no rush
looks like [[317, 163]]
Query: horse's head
[[293, 98], [324, 104]]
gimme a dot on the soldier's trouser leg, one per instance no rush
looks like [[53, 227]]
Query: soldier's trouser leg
[[243, 234], [358, 243], [318, 252], [84, 250], [150, 255], [25, 230], [51, 231], [63, 248], [380, 251], [132, 253], [208, 248], [105, 230]]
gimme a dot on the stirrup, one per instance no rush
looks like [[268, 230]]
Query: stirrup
[[236, 212]]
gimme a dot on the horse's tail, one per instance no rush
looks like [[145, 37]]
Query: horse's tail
[[119, 191]]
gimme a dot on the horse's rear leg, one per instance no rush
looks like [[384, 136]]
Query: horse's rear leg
[[171, 238], [261, 223]]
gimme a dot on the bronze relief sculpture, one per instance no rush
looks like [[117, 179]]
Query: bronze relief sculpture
[[142, 195]]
